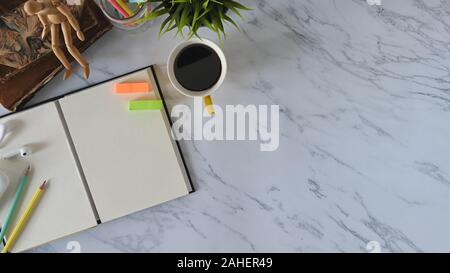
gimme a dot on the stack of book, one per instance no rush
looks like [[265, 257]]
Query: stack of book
[[27, 63]]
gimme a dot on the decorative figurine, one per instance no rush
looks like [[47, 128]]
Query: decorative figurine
[[55, 15]]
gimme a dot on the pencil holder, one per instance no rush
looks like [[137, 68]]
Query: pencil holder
[[124, 14]]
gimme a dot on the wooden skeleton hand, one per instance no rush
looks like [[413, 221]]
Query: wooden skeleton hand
[[45, 32], [80, 35]]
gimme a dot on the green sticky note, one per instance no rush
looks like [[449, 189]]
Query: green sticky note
[[139, 105]]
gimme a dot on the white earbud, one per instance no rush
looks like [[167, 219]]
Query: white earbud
[[3, 131], [23, 151], [4, 183]]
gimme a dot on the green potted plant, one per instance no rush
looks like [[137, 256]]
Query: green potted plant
[[195, 14]]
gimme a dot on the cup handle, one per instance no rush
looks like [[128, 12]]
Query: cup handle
[[207, 100]]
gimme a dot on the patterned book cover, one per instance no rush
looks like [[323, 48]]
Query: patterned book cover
[[26, 62]]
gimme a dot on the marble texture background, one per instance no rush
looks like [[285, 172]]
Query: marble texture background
[[364, 134]]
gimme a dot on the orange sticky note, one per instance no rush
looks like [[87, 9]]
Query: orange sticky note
[[132, 87]]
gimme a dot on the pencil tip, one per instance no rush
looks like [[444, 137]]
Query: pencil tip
[[27, 171], [43, 185]]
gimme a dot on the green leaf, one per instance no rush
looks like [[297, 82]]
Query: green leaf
[[232, 8], [183, 19], [208, 24], [216, 20], [160, 6], [205, 4], [196, 12], [239, 6], [163, 25], [228, 19], [154, 14]]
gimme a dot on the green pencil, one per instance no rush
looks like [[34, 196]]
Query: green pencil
[[15, 201]]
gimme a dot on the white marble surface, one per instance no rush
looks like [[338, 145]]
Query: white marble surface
[[365, 134]]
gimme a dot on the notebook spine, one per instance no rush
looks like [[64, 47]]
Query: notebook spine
[[77, 161]]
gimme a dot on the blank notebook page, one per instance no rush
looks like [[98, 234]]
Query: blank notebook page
[[64, 208], [127, 156]]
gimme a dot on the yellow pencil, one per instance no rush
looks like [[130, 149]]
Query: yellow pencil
[[24, 218], [123, 5]]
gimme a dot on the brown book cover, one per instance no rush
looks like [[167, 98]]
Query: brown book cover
[[27, 63]]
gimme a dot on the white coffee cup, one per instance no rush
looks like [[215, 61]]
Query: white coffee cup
[[171, 65]]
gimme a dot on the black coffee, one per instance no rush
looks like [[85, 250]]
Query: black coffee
[[197, 67]]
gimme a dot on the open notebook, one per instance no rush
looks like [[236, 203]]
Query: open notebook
[[102, 161]]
